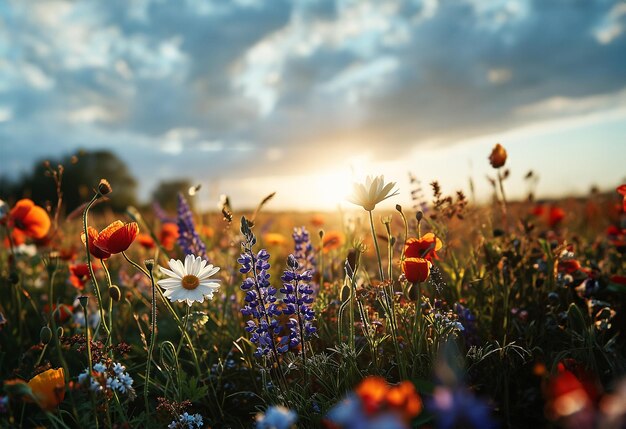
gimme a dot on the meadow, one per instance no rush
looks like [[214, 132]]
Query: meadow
[[446, 314]]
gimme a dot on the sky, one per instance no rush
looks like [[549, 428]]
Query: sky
[[248, 97]]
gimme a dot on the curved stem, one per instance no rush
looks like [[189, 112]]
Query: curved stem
[[91, 272]]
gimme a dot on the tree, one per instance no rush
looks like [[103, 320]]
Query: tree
[[166, 193], [81, 174]]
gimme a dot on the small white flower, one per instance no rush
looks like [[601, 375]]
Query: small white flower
[[189, 281], [372, 192]]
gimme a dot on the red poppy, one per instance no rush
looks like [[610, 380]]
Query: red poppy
[[538, 210], [93, 249], [555, 216], [568, 266], [30, 219], [425, 247], [619, 280], [622, 191], [169, 235], [416, 269], [17, 236], [117, 237], [79, 275], [61, 314], [145, 241]]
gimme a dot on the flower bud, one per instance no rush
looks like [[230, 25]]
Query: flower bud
[[115, 293], [149, 263], [84, 300], [104, 187], [419, 215], [498, 156]]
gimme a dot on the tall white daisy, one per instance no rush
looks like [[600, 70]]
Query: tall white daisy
[[189, 281]]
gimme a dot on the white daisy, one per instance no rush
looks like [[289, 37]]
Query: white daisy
[[189, 281]]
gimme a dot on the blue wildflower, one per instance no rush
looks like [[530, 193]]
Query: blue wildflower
[[260, 300], [187, 421], [161, 214], [276, 417], [459, 407], [188, 238], [469, 323], [297, 299]]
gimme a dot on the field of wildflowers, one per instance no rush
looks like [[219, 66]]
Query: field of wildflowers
[[442, 315]]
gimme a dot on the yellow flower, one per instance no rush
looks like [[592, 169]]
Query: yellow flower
[[48, 388], [372, 192]]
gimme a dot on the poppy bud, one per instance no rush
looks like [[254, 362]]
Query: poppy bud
[[498, 156], [84, 300], [115, 293], [104, 187], [149, 263], [45, 335], [419, 215]]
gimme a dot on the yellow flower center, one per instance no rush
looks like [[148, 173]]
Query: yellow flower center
[[190, 282]]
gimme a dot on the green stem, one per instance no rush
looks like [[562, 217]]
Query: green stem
[[91, 272], [153, 328], [380, 262]]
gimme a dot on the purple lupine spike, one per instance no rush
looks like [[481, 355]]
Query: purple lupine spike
[[260, 300], [188, 238], [305, 254], [161, 214], [298, 296]]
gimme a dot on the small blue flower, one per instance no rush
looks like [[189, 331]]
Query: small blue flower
[[276, 417]]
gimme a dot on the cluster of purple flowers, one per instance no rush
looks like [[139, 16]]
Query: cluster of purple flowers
[[298, 299], [303, 250], [260, 300], [188, 239], [261, 303]]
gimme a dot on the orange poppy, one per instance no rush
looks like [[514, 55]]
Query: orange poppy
[[622, 191], [207, 231], [555, 216], [317, 221], [332, 240], [372, 392], [30, 219], [498, 156], [405, 399], [416, 269], [48, 388], [425, 247], [169, 235], [145, 241], [117, 237], [274, 239]]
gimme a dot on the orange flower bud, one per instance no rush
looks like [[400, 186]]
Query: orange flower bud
[[498, 156]]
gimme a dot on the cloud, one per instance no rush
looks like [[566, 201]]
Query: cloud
[[246, 88]]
